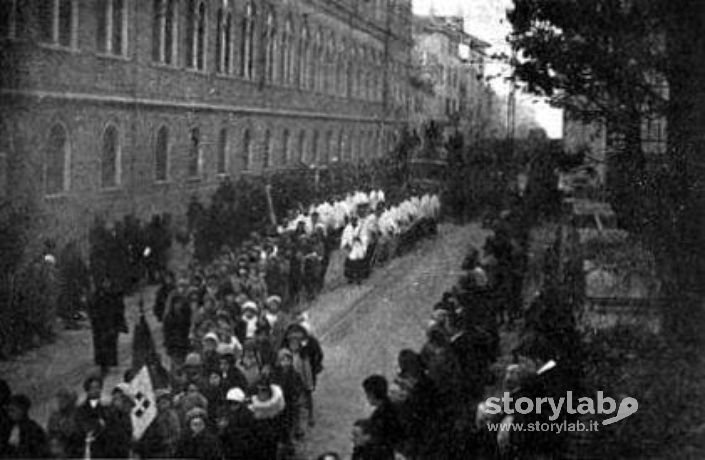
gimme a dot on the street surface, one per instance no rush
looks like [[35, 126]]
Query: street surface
[[362, 329]]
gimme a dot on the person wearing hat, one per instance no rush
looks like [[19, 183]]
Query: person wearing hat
[[274, 321], [25, 438], [107, 315], [177, 323], [285, 376], [162, 435], [122, 403], [257, 286], [99, 424], [307, 361], [237, 431], [267, 406], [249, 321], [203, 320], [227, 332], [249, 364], [230, 374], [209, 351], [191, 399], [193, 368], [198, 442]]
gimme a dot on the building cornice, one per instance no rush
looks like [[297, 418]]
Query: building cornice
[[185, 105]]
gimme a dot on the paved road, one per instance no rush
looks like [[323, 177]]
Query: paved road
[[363, 329]]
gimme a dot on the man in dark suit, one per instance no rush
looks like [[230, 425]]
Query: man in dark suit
[[384, 427]]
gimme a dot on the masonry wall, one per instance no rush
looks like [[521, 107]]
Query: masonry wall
[[86, 91]]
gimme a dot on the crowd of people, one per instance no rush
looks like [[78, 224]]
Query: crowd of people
[[244, 363], [434, 407]]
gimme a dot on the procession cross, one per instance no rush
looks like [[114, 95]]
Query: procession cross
[[143, 404]]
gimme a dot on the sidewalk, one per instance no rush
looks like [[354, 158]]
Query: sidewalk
[[39, 373]]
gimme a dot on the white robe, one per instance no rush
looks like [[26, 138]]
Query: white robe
[[356, 239]]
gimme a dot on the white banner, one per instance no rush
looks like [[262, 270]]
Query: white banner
[[145, 409]]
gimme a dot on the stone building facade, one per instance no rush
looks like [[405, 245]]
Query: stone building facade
[[450, 66], [115, 107]]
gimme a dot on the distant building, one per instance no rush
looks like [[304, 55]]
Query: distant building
[[115, 107], [449, 71]]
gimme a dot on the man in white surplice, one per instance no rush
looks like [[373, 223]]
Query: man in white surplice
[[355, 241]]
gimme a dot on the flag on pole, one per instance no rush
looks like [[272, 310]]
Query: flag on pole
[[145, 410]]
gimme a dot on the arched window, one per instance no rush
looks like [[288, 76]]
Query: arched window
[[328, 148], [161, 155], [266, 149], [304, 51], [164, 31], [287, 54], [314, 148], [285, 157], [270, 48], [249, 25], [302, 147], [194, 153], [196, 35], [110, 158], [56, 172], [246, 150], [223, 43], [222, 160]]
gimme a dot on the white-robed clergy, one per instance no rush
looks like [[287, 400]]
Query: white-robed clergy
[[355, 241]]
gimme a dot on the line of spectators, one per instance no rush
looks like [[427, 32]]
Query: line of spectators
[[429, 409]]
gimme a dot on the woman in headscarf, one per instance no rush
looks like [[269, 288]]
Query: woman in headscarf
[[198, 442]]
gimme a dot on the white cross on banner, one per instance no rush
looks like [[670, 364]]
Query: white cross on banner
[[145, 409]]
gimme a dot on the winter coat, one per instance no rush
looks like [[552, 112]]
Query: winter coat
[[108, 430], [239, 436], [292, 387], [311, 350], [204, 446], [65, 425], [32, 441], [234, 378], [177, 325], [268, 424], [385, 429], [107, 315], [161, 437]]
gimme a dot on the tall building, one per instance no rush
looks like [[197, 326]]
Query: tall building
[[449, 69], [115, 107]]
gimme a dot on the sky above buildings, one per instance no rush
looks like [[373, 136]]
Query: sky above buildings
[[486, 19]]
